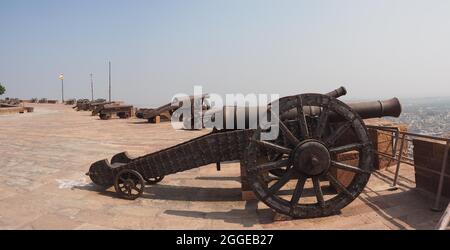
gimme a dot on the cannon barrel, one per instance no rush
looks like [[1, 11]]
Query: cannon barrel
[[366, 110], [391, 107]]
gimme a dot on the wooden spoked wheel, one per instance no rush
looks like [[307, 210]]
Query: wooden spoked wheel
[[306, 150], [129, 184]]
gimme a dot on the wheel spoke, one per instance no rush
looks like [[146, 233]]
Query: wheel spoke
[[136, 189], [290, 137], [318, 191], [122, 179], [303, 126], [338, 133], [346, 148], [281, 182], [286, 132], [274, 147], [298, 190], [277, 157], [273, 165], [323, 121], [338, 185], [129, 191], [350, 168]]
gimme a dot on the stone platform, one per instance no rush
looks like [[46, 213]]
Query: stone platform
[[45, 154]]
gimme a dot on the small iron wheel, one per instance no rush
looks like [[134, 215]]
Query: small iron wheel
[[154, 181], [129, 184]]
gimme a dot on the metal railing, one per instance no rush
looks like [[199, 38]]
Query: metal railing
[[399, 157]]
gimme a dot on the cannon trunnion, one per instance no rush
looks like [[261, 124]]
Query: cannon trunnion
[[311, 127]]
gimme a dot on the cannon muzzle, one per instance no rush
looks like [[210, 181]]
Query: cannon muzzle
[[337, 92]]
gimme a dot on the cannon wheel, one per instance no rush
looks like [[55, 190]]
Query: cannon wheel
[[153, 181], [129, 184], [308, 155]]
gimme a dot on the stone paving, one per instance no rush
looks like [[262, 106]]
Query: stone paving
[[45, 155]]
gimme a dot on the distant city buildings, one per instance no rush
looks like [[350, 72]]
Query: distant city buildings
[[429, 116]]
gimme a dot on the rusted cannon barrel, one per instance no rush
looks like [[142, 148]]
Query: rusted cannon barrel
[[391, 107], [366, 110]]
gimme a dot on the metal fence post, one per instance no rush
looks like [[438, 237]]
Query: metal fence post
[[397, 170], [394, 148]]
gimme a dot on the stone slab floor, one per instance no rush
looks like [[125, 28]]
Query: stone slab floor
[[44, 157]]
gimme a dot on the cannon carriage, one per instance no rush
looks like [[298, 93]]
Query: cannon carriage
[[88, 105], [311, 132], [98, 107], [121, 111]]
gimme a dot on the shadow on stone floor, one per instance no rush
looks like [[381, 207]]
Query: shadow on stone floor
[[389, 180], [142, 122], [176, 193], [407, 207], [218, 178], [247, 217], [186, 193]]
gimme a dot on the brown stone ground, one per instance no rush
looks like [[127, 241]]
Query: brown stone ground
[[45, 154]]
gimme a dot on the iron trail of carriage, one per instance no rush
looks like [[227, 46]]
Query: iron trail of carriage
[[314, 129]]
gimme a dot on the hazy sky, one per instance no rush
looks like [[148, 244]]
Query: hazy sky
[[376, 48]]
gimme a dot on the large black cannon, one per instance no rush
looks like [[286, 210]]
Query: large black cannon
[[311, 128]]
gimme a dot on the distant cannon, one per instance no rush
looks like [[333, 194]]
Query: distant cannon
[[311, 127], [97, 107], [70, 102], [81, 105], [88, 105], [165, 112]]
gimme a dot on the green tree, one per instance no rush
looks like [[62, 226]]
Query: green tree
[[2, 89]]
